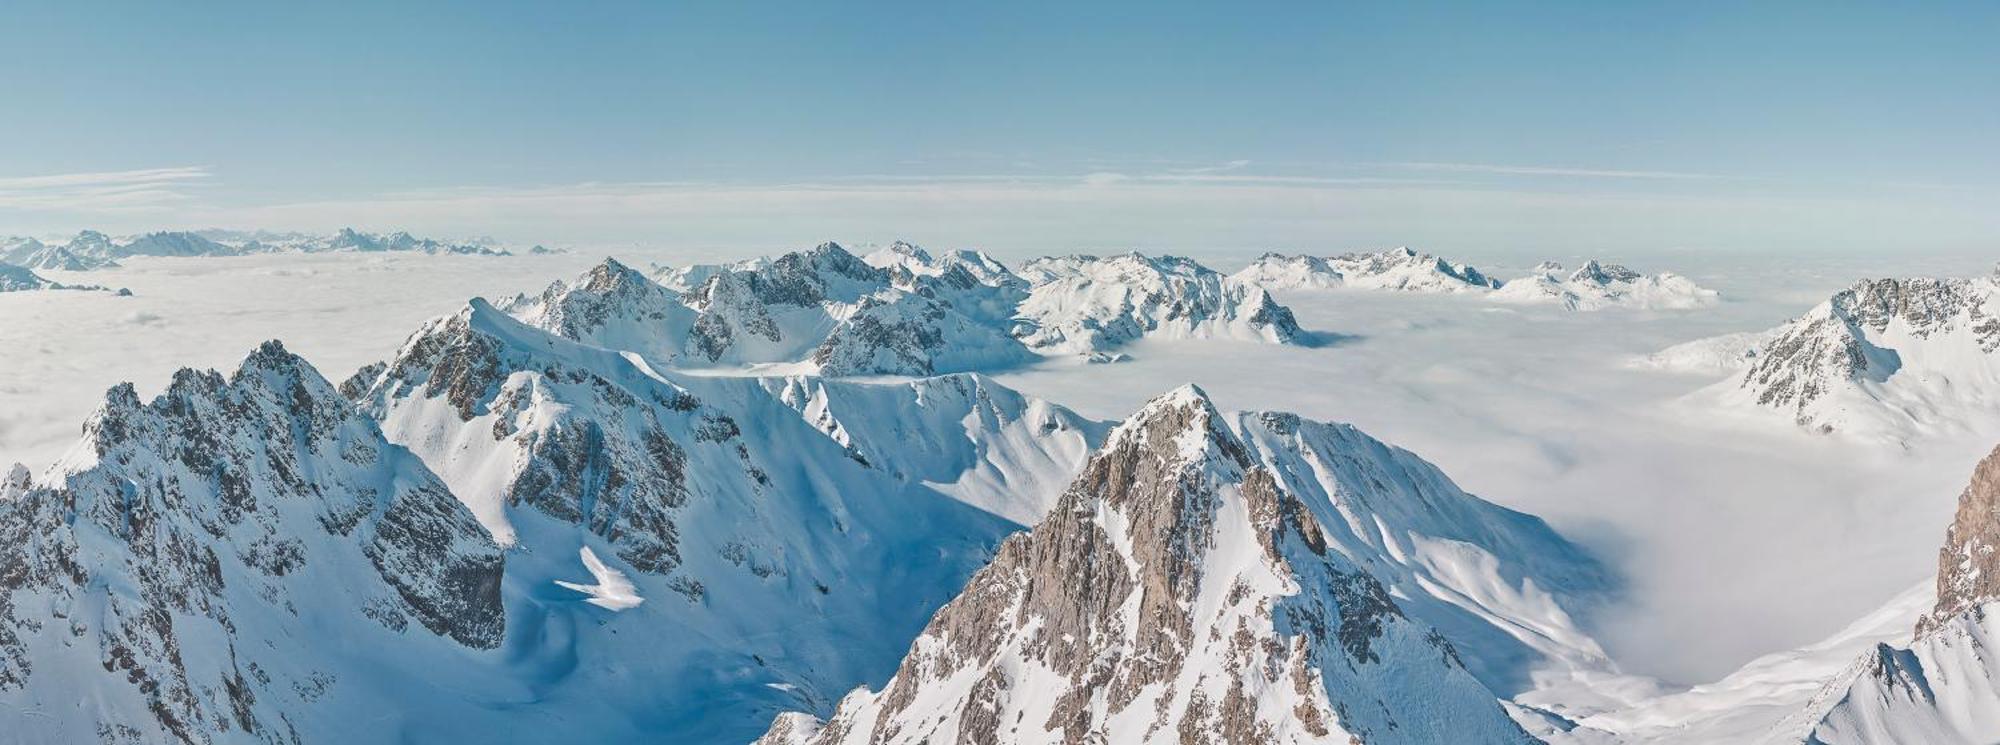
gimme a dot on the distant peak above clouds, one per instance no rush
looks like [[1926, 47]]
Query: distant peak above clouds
[[1593, 286], [1596, 286], [1403, 269]]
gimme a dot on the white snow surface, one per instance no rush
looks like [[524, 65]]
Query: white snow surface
[[1712, 357], [1942, 688]]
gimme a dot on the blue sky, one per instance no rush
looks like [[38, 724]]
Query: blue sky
[[1634, 127]]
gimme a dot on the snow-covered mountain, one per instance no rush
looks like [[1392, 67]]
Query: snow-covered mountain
[[243, 559], [349, 239], [1888, 358], [21, 279], [1410, 270], [769, 543], [1395, 269], [973, 283], [1596, 286], [92, 246], [821, 311], [579, 547], [178, 244], [1944, 686], [1088, 304], [1256, 579], [34, 254], [615, 307]]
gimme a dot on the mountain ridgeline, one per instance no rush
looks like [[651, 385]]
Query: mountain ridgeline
[[530, 524]]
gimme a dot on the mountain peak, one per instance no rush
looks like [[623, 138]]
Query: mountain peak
[[610, 274]]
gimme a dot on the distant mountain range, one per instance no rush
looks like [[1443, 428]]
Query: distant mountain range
[[1594, 286], [93, 250], [900, 311]]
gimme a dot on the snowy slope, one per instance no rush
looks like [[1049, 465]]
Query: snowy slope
[[1089, 305], [772, 542], [1754, 703], [1258, 579], [968, 437], [243, 559], [1944, 687], [1596, 286], [1716, 356], [1892, 359], [1503, 586]]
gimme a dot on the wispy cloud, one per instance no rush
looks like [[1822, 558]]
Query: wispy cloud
[[140, 189], [1234, 165], [1510, 170]]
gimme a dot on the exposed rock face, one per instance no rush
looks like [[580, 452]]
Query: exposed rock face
[[1089, 304], [1969, 563], [1945, 686], [1895, 357], [1178, 591], [170, 570]]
